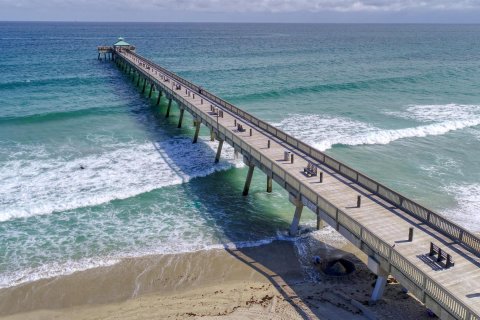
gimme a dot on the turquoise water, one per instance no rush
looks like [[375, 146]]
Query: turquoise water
[[399, 102]]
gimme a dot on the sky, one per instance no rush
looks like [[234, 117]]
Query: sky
[[296, 11]]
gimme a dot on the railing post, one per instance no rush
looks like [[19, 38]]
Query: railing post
[[361, 237], [424, 289], [336, 219]]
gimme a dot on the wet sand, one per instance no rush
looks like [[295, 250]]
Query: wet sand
[[266, 282]]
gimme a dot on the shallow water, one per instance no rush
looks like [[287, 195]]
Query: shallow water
[[398, 102]]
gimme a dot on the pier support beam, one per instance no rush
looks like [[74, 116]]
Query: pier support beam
[[298, 214], [219, 151], [379, 289], [269, 184], [381, 282], [159, 96], [197, 130], [151, 90], [144, 85], [181, 118], [320, 222], [246, 188], [138, 80], [168, 108]]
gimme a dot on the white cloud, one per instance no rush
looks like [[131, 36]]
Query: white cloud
[[283, 6], [306, 5]]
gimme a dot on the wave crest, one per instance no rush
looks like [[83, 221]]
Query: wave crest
[[43, 185], [326, 132]]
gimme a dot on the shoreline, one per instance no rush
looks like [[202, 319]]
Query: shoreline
[[270, 281]]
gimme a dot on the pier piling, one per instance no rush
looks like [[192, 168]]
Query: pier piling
[[269, 184], [320, 222], [197, 130], [219, 151], [246, 188], [167, 114], [180, 119], [151, 90], [298, 214]]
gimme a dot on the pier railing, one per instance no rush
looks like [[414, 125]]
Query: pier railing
[[435, 220]]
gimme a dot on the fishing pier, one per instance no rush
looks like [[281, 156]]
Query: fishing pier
[[435, 259]]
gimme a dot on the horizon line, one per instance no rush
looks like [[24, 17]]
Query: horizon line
[[238, 22]]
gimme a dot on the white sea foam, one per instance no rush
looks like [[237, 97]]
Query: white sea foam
[[45, 271], [439, 112], [54, 269], [468, 205], [42, 185], [325, 132]]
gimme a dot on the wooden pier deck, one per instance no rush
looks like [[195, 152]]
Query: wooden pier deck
[[379, 226]]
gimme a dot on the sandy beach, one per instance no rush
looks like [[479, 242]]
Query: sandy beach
[[272, 281]]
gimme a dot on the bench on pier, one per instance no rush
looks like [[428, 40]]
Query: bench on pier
[[310, 170], [441, 255], [178, 87], [213, 111]]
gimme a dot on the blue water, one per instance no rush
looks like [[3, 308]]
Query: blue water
[[399, 102]]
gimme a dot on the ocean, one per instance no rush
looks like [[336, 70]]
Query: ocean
[[400, 103]]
